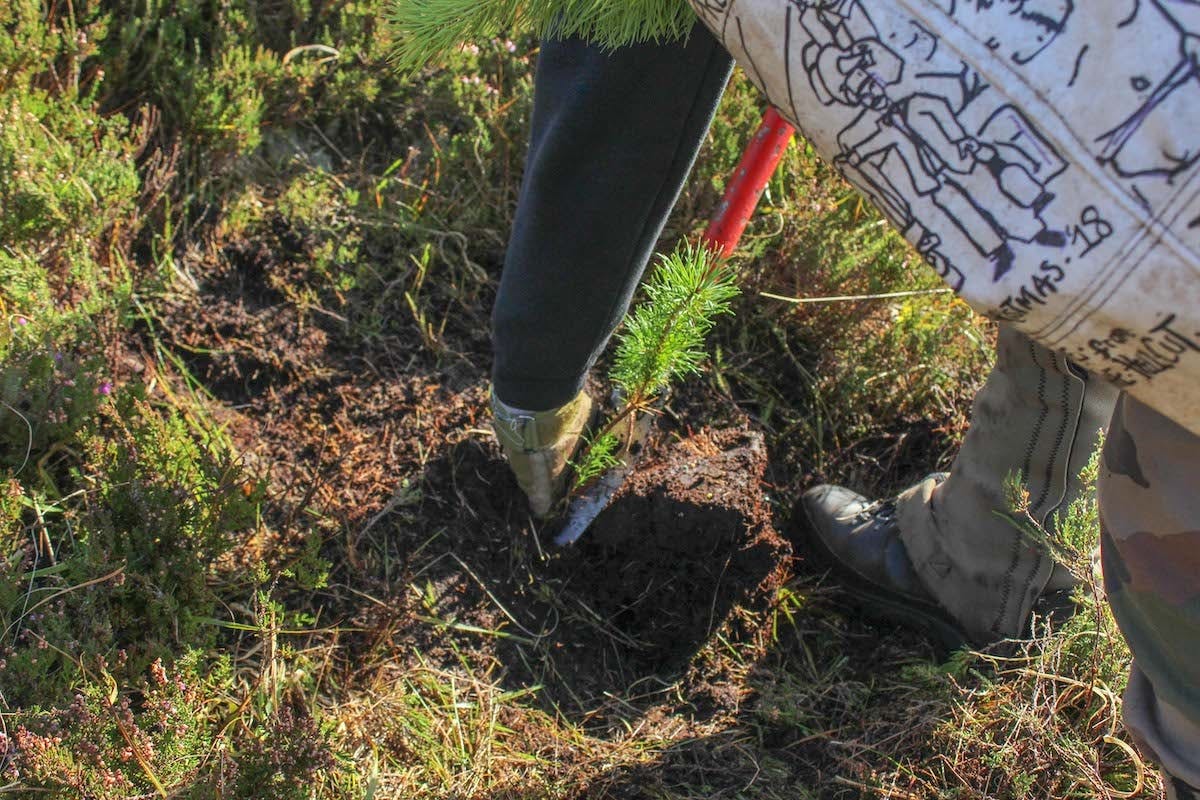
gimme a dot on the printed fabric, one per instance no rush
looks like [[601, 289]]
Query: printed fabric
[[1039, 154]]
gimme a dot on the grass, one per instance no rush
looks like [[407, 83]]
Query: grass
[[255, 539]]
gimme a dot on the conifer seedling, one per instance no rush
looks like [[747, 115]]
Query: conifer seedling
[[661, 341], [428, 29]]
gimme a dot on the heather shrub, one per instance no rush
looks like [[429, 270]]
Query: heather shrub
[[123, 561], [173, 734]]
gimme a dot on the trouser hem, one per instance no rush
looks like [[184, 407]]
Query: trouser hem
[[536, 395]]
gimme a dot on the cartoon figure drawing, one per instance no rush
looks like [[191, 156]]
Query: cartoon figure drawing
[[1042, 22], [908, 147], [1137, 147]]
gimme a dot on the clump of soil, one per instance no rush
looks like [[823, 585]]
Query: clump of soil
[[688, 537]]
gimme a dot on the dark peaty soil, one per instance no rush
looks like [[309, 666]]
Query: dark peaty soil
[[689, 536], [378, 450]]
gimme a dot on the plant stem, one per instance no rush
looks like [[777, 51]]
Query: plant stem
[[637, 401]]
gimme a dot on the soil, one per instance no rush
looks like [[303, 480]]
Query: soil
[[688, 536], [379, 448]]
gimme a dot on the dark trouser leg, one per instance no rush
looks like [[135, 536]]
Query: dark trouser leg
[[614, 136], [1149, 493]]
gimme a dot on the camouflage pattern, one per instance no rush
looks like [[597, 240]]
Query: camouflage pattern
[[1149, 491], [1038, 416]]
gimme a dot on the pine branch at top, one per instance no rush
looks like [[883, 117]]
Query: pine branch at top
[[428, 29]]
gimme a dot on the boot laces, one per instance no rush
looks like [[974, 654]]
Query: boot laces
[[882, 512]]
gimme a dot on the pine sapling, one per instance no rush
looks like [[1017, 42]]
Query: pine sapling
[[662, 340]]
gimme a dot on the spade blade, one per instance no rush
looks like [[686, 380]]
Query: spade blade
[[587, 506], [595, 497]]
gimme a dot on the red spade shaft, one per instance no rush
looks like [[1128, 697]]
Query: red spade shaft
[[749, 181]]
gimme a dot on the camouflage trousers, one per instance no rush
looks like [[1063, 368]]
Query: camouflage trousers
[[1040, 416], [1150, 537]]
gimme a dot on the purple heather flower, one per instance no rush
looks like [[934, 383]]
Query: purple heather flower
[[105, 388]]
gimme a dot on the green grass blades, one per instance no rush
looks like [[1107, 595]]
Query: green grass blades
[[427, 30]]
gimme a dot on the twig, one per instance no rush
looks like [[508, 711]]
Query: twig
[[878, 790], [851, 297], [397, 500], [330, 53], [1137, 763], [537, 637]]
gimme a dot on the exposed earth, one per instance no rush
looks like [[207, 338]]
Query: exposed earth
[[386, 452]]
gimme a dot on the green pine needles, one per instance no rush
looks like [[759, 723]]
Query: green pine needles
[[428, 29], [662, 340], [600, 454]]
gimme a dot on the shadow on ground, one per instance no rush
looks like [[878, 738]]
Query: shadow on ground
[[677, 626]]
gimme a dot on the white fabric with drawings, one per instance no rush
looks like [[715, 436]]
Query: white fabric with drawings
[[1040, 155]]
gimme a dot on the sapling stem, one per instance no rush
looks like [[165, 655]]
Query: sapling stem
[[662, 339]]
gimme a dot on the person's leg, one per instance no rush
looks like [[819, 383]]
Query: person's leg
[[1149, 493], [614, 136], [942, 553], [1039, 417]]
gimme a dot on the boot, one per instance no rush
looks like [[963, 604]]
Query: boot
[[539, 446], [860, 540], [1037, 416]]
